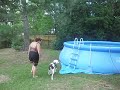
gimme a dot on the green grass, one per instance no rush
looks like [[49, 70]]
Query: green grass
[[15, 74]]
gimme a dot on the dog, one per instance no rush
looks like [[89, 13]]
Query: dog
[[52, 68]]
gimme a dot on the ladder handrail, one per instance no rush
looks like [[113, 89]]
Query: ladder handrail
[[80, 42], [75, 42]]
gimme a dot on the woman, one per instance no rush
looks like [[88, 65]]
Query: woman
[[34, 53]]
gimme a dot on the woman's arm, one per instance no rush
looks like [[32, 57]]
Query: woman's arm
[[38, 48]]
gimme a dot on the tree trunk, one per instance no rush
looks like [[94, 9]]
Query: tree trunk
[[26, 29]]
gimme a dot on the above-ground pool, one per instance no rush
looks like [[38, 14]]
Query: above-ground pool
[[91, 57]]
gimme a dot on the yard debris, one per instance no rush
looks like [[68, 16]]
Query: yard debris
[[4, 78]]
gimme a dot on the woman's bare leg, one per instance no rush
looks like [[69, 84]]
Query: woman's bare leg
[[33, 70]]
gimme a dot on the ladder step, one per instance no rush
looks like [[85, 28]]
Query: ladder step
[[73, 59], [72, 67], [71, 64], [75, 53], [74, 56]]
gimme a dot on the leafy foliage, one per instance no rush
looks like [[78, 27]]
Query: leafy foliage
[[40, 23], [6, 35], [12, 11], [91, 20], [17, 43]]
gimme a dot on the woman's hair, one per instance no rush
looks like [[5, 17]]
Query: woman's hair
[[38, 39]]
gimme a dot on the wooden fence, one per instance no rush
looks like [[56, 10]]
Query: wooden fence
[[47, 40]]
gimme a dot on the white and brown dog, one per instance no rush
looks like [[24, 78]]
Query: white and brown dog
[[52, 68]]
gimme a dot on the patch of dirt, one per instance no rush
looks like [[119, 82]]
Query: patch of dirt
[[98, 85], [4, 78]]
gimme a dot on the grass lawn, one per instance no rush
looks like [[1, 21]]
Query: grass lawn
[[15, 74]]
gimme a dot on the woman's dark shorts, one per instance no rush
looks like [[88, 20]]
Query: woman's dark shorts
[[34, 57]]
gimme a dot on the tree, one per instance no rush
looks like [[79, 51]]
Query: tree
[[5, 36], [91, 20], [23, 6], [31, 13]]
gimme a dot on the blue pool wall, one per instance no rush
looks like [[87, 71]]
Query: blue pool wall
[[95, 57]]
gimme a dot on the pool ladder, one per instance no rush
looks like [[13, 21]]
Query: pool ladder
[[75, 54]]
